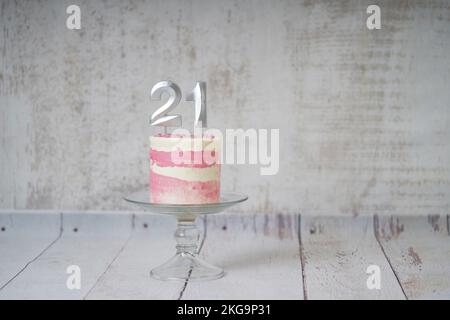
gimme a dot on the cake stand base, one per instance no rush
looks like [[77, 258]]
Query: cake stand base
[[185, 266]]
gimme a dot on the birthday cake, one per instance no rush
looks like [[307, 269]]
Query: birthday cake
[[184, 169]]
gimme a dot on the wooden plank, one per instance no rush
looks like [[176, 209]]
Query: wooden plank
[[23, 237], [336, 254], [88, 241], [151, 244], [418, 249], [261, 251], [260, 255]]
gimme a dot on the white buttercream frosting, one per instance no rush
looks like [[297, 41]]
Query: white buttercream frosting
[[189, 174], [168, 144]]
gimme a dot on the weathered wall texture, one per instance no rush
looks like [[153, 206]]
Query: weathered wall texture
[[364, 116]]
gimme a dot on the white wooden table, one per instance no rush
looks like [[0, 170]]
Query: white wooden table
[[265, 256]]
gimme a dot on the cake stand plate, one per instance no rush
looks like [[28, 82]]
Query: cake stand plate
[[186, 264]]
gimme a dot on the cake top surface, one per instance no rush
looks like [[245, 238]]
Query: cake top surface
[[170, 142]]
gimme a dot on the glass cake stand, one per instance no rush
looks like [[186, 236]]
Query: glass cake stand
[[186, 264]]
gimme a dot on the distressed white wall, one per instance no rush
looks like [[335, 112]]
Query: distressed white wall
[[364, 116]]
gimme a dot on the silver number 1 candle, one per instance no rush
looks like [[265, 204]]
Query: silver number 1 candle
[[198, 96]]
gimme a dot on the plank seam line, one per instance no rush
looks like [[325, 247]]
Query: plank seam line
[[133, 225], [375, 231], [302, 256], [448, 225], [204, 234], [198, 251], [109, 265], [39, 255]]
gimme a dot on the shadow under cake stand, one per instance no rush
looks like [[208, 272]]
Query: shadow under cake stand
[[186, 264]]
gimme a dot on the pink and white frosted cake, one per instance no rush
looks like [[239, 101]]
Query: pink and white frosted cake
[[184, 169]]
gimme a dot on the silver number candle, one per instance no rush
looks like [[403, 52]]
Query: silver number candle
[[198, 96], [161, 117]]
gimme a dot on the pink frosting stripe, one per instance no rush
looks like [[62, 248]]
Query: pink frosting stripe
[[171, 190], [188, 159]]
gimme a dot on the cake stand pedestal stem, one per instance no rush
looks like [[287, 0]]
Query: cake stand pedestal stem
[[187, 236], [186, 265]]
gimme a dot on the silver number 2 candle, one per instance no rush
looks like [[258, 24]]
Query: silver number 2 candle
[[161, 117]]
